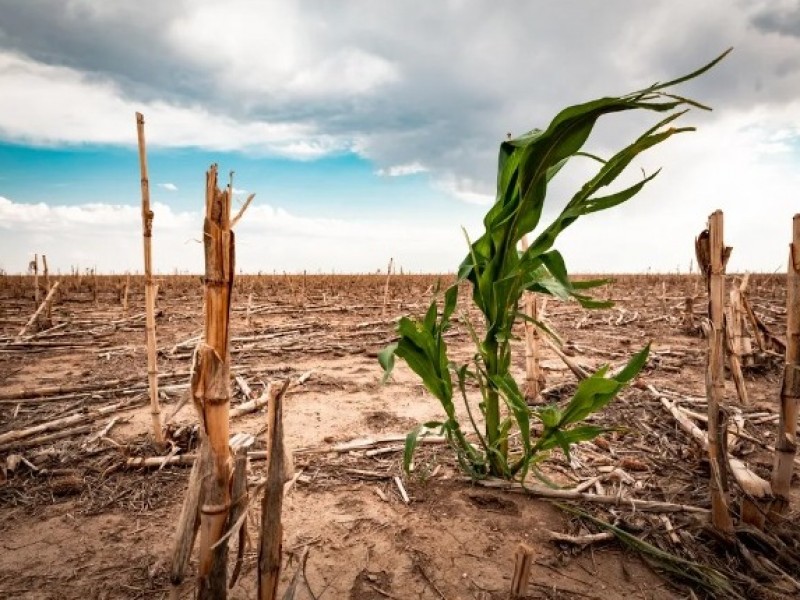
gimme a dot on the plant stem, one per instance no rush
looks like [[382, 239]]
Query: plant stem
[[498, 447]]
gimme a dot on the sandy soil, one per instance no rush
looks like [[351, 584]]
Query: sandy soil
[[76, 523]]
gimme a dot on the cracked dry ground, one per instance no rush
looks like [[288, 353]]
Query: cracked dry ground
[[76, 523]]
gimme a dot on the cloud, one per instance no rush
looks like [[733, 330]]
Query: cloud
[[170, 187], [465, 189], [44, 104], [398, 83], [778, 17], [267, 239], [402, 170]]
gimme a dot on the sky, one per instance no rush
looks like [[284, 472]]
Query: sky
[[369, 129]]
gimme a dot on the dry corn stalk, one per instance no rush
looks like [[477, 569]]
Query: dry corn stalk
[[269, 556], [149, 295], [42, 309], [712, 256], [211, 386], [386, 287], [35, 265], [786, 444], [534, 377]]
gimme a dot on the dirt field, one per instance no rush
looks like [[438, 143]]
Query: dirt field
[[76, 522]]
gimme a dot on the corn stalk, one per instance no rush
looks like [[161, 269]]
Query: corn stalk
[[211, 387], [149, 292], [499, 275], [786, 444]]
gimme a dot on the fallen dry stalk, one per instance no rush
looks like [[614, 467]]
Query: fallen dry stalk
[[557, 494], [758, 493], [580, 540], [10, 439], [43, 307]]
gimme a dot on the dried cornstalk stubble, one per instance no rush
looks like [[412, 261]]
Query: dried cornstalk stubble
[[211, 386], [712, 256], [786, 444]]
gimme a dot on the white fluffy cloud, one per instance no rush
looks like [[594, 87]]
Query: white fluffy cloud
[[108, 237], [401, 170], [47, 104], [170, 187]]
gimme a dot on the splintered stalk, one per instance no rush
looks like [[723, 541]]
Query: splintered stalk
[[211, 387], [534, 378], [712, 256], [786, 444]]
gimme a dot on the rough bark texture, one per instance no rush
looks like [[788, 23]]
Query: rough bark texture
[[786, 444], [534, 376], [269, 556], [211, 388], [189, 520], [712, 256]]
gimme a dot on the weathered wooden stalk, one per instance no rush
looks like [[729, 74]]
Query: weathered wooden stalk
[[386, 287], [189, 519], [712, 256], [211, 388], [47, 317], [733, 344], [786, 444], [149, 295], [269, 556], [688, 315], [42, 309], [523, 558], [125, 292], [35, 265], [46, 272], [534, 377]]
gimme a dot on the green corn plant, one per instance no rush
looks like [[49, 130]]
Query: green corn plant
[[499, 274]]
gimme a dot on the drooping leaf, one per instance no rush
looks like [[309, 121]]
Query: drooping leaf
[[386, 360]]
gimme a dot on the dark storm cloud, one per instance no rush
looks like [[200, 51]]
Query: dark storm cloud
[[782, 20], [442, 81], [123, 43]]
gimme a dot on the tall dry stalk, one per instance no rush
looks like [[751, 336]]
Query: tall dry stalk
[[712, 256], [47, 316], [35, 265], [125, 292], [786, 444], [211, 387], [149, 295], [46, 272], [386, 287]]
